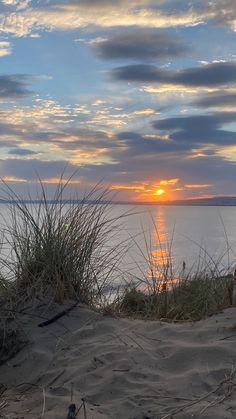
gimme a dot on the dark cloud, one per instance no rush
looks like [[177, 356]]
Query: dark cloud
[[89, 3], [8, 129], [147, 158], [22, 152], [14, 86], [139, 145], [139, 72], [31, 169], [200, 122], [221, 11], [82, 138], [214, 100], [112, 3], [212, 169], [208, 75], [140, 162], [200, 129], [140, 44]]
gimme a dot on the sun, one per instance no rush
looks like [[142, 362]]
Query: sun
[[159, 192]]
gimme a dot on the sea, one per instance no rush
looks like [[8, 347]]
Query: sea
[[180, 238], [157, 239]]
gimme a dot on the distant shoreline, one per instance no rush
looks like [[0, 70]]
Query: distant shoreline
[[210, 202]]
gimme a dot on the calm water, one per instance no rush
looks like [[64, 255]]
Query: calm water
[[194, 233]]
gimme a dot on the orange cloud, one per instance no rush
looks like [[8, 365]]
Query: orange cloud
[[13, 179], [169, 182], [128, 187], [197, 186], [204, 196], [61, 181]]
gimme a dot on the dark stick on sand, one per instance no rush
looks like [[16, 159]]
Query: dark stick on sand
[[58, 316]]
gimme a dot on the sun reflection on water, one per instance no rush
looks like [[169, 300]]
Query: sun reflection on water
[[160, 274]]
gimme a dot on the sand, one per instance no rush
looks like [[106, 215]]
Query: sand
[[122, 368]]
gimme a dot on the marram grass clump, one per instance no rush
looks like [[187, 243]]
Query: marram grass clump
[[60, 248], [188, 299], [163, 292]]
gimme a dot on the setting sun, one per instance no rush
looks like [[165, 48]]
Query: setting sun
[[159, 192]]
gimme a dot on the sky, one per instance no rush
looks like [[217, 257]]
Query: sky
[[139, 95]]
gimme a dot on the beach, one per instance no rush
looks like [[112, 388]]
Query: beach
[[117, 209], [117, 368]]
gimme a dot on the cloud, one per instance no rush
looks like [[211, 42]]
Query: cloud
[[19, 4], [71, 15], [196, 186], [202, 122], [62, 131], [199, 129], [208, 75], [5, 48], [48, 119], [7, 129], [182, 147], [140, 145], [139, 44], [169, 182], [137, 165], [217, 100], [168, 90], [222, 12], [29, 169], [22, 152], [14, 86], [140, 170], [112, 3], [26, 19]]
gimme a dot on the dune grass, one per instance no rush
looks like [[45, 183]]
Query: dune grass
[[63, 248], [161, 292], [188, 299], [60, 250]]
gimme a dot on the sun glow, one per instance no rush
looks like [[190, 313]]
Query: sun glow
[[159, 192]]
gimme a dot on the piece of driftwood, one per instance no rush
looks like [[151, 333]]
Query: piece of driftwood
[[58, 316]]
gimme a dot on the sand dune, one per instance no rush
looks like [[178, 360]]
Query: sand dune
[[124, 369]]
